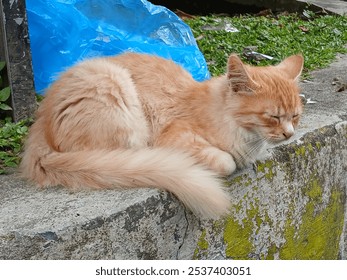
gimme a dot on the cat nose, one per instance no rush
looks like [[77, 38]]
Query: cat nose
[[288, 134], [288, 130]]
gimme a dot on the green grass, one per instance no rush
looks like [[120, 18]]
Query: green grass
[[318, 38]]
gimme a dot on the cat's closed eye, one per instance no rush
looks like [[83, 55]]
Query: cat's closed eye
[[275, 118]]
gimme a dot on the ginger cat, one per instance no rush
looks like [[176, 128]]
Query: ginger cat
[[136, 120]]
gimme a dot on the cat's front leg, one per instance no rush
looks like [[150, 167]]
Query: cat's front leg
[[219, 161], [179, 136]]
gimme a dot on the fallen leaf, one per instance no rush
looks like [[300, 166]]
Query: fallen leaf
[[341, 88], [304, 29], [183, 15]]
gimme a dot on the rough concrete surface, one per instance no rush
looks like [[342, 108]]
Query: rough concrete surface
[[289, 205], [332, 6]]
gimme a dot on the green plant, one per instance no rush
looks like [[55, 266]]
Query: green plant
[[5, 92], [11, 142], [11, 134]]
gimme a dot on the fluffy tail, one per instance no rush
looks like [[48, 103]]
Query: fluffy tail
[[198, 188]]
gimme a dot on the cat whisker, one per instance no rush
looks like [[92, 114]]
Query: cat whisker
[[249, 150]]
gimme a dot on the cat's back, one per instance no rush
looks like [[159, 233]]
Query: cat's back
[[158, 84], [90, 79], [150, 71], [151, 74]]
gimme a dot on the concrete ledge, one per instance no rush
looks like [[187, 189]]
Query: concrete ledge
[[332, 6], [290, 205]]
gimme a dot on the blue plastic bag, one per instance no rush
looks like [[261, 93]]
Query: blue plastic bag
[[63, 32]]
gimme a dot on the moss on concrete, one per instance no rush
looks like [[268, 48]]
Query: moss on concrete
[[305, 151], [242, 180], [202, 246], [300, 151], [318, 234], [238, 236], [318, 145], [315, 237], [266, 167], [312, 218], [272, 251]]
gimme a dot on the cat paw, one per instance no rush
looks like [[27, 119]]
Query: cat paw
[[219, 161]]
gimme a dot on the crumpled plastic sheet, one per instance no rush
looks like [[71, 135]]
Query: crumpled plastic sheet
[[63, 32]]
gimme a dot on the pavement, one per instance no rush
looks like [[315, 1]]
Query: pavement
[[289, 205], [332, 6]]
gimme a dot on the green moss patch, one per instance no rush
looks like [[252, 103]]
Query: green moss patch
[[317, 236]]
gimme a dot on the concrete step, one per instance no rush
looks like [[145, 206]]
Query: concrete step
[[331, 6], [290, 205]]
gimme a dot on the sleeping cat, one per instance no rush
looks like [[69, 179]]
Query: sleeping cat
[[136, 120]]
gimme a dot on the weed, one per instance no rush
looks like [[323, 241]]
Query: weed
[[5, 92], [11, 134], [11, 142]]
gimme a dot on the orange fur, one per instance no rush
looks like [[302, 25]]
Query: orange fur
[[139, 121]]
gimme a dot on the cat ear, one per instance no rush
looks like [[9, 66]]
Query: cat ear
[[238, 76], [292, 66]]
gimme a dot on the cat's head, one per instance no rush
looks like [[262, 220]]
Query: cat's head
[[267, 98]]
